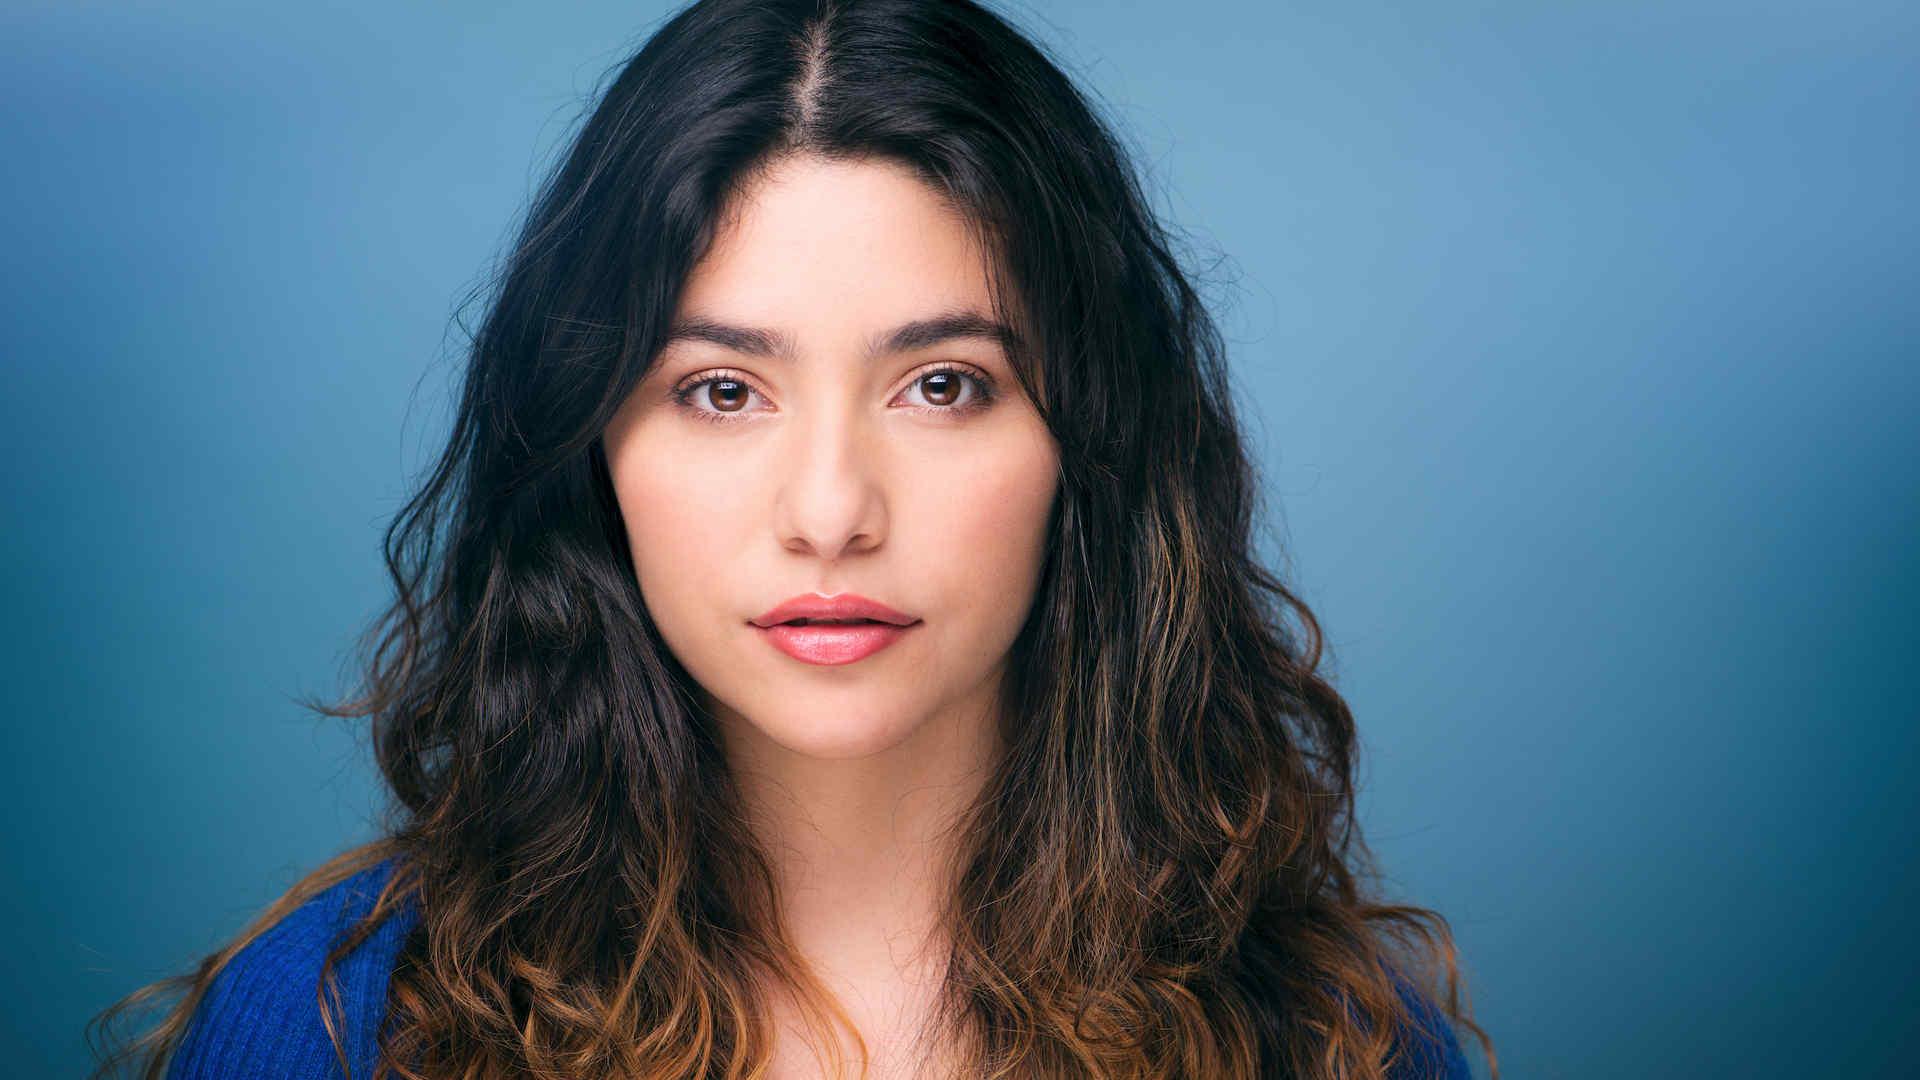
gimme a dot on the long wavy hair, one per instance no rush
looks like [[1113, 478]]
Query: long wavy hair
[[1163, 876]]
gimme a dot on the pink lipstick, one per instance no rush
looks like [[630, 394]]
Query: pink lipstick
[[818, 629]]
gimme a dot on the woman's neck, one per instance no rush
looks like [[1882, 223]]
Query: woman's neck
[[864, 855], [862, 849]]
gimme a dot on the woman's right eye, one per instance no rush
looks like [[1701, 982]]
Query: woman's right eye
[[715, 398]]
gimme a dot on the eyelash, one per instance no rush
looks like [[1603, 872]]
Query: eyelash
[[983, 397]]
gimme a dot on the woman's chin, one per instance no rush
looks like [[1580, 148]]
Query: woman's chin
[[833, 733]]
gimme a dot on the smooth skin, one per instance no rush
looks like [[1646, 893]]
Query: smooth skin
[[798, 460]]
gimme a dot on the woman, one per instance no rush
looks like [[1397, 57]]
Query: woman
[[830, 640]]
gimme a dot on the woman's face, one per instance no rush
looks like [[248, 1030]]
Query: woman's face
[[792, 441]]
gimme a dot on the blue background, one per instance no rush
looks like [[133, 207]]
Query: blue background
[[1577, 341]]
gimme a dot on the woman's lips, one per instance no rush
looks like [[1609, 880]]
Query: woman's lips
[[825, 643]]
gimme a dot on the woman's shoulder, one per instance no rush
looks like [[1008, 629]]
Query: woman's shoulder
[[261, 1014], [1431, 1050]]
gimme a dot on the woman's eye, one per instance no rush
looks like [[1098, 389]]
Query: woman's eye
[[947, 390], [715, 398]]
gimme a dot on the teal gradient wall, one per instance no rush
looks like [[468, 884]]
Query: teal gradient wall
[[1578, 341]]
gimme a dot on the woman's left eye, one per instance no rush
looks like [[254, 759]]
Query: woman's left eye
[[944, 390]]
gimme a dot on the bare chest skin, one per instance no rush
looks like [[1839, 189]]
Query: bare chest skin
[[891, 1016]]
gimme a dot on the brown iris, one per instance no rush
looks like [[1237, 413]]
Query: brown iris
[[948, 381], [720, 389]]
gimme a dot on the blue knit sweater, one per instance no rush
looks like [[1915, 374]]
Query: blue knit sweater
[[261, 1016]]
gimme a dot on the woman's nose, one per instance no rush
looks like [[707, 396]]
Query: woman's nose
[[829, 502]]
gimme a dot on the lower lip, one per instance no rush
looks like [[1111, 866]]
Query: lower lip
[[834, 644]]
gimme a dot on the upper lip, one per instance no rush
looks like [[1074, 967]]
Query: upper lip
[[843, 606]]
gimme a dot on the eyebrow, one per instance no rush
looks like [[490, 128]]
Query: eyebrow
[[918, 334]]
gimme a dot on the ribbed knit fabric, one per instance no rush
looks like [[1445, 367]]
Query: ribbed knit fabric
[[261, 1019], [1433, 1051]]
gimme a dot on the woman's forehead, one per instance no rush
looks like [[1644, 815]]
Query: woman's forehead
[[812, 238]]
